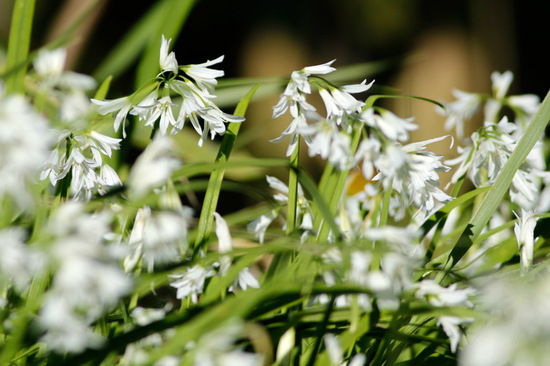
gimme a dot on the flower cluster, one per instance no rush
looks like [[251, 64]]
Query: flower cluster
[[194, 85], [88, 280], [489, 148], [191, 284], [409, 172]]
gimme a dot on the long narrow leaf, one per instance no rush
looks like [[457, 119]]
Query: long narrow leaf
[[214, 185], [18, 46]]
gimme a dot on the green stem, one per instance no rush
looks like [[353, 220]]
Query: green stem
[[19, 44], [214, 184], [293, 190], [332, 192]]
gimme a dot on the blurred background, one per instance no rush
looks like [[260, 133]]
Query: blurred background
[[424, 47]]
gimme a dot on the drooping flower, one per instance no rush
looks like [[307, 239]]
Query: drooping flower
[[391, 126], [80, 152], [524, 229], [225, 245], [191, 283], [203, 75], [121, 106]]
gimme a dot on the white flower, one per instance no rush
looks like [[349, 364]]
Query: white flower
[[524, 229], [321, 69], [391, 126], [303, 209], [191, 283], [292, 99], [259, 225], [121, 105], [144, 316], [367, 153], [401, 239], [85, 149], [360, 267], [501, 83], [157, 238], [153, 167], [412, 171], [339, 102], [450, 325], [484, 159], [203, 76], [25, 141], [49, 66], [440, 296], [66, 332], [299, 123], [167, 60], [524, 106], [225, 244], [197, 103], [465, 106], [151, 109], [244, 280], [336, 355], [326, 140], [50, 63]]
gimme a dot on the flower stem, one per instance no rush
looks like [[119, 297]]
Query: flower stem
[[293, 190], [214, 184]]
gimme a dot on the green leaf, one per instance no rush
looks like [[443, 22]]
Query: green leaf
[[214, 185], [373, 98], [140, 36], [103, 89], [18, 46]]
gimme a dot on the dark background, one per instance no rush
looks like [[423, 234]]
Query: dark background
[[512, 32], [454, 44]]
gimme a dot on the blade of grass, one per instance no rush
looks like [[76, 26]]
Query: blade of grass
[[214, 185], [131, 45], [19, 44], [292, 190]]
